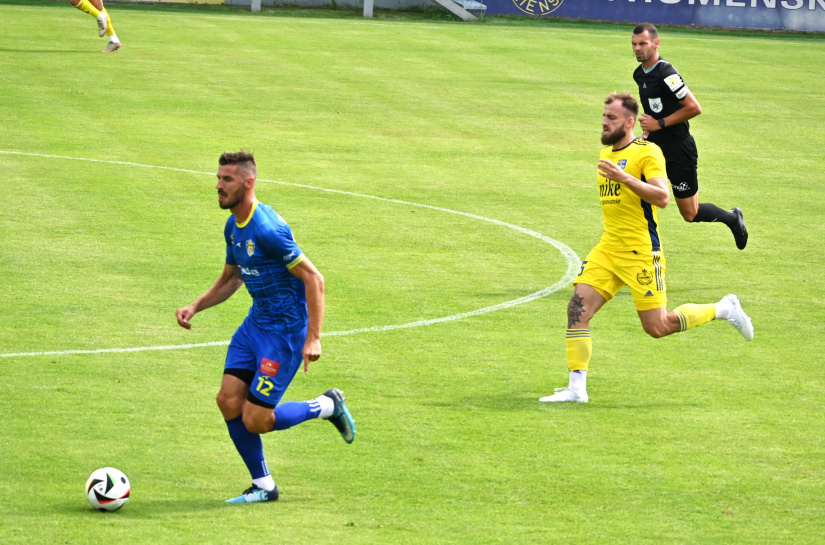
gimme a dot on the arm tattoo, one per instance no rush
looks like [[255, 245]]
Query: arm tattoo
[[574, 310]]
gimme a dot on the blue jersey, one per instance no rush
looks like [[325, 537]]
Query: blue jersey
[[264, 250]]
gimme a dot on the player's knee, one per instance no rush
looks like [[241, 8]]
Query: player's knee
[[688, 215], [230, 405], [657, 331]]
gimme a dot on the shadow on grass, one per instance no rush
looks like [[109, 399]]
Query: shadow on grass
[[61, 51], [145, 508], [524, 402]]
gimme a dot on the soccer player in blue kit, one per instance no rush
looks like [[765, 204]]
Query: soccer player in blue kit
[[282, 330]]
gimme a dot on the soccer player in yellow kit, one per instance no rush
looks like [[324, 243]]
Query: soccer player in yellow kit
[[632, 184], [104, 21]]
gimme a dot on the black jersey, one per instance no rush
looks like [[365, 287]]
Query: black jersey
[[661, 91]]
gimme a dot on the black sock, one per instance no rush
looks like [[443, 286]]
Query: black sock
[[709, 212]]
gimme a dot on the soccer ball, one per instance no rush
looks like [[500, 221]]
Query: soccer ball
[[107, 489]]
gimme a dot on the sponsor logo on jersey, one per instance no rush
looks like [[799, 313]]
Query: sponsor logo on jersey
[[250, 272], [681, 187], [644, 278], [269, 367], [290, 256], [250, 247], [537, 7], [610, 189], [622, 163], [649, 294], [655, 104]]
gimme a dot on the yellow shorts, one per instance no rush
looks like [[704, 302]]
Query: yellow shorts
[[608, 271]]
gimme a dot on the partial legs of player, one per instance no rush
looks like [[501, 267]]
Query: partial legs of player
[[657, 323], [104, 21], [695, 212], [246, 422], [583, 305]]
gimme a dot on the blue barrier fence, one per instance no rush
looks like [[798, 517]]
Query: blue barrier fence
[[804, 15]]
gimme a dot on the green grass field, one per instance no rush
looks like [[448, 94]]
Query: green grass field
[[111, 223]]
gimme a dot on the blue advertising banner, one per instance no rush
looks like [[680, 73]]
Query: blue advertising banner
[[805, 15]]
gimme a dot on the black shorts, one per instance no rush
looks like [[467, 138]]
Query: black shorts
[[682, 160]]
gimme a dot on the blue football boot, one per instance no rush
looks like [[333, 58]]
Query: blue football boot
[[253, 494], [341, 418]]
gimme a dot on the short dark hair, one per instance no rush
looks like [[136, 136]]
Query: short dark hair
[[646, 27], [628, 102], [241, 158]]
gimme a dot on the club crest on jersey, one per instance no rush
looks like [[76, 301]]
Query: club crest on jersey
[[269, 367], [655, 104], [622, 163], [250, 247], [644, 278]]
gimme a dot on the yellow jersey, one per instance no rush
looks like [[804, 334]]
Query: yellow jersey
[[631, 223]]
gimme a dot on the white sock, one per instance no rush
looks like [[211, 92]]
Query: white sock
[[722, 309], [327, 406], [578, 381], [267, 483], [113, 38]]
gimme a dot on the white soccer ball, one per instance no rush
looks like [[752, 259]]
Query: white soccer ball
[[108, 489]]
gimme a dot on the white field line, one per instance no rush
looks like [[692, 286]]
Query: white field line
[[569, 255]]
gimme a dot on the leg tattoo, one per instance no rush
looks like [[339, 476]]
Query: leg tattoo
[[574, 310]]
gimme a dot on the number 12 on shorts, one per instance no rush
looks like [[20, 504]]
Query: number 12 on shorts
[[264, 385]]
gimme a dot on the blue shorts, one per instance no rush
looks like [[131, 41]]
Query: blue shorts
[[271, 358]]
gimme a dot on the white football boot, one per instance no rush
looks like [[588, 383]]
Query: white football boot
[[565, 394], [737, 317], [101, 24]]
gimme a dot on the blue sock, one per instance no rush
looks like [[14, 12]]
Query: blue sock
[[249, 446], [292, 413]]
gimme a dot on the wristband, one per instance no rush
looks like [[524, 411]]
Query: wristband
[[662, 123]]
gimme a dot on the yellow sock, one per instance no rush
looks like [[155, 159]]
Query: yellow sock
[[691, 315], [87, 7], [109, 28], [579, 349]]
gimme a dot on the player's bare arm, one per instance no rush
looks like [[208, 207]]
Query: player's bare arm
[[223, 288], [314, 285], [690, 109], [654, 191]]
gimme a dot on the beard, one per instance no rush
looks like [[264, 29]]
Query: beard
[[612, 137], [229, 204]]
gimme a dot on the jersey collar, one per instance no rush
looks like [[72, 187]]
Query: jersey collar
[[648, 70], [251, 213]]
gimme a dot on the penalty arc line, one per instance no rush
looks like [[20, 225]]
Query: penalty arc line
[[570, 257]]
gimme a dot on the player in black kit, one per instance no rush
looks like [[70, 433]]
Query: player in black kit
[[668, 105]]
